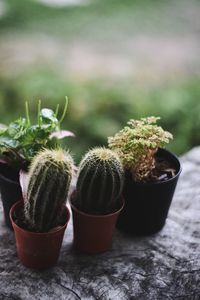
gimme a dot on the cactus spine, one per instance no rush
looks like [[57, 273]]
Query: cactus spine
[[49, 181], [100, 182]]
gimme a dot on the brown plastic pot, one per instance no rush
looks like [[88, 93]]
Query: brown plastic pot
[[93, 233], [37, 250]]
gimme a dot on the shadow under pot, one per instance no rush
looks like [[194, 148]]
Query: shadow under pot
[[93, 233], [147, 204], [10, 189], [37, 250]]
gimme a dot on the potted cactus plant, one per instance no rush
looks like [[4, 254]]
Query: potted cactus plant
[[19, 143], [97, 202], [40, 220], [151, 175]]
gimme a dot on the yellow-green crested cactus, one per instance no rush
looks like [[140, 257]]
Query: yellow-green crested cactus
[[136, 145]]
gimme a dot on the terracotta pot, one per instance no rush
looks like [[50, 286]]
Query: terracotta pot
[[147, 204], [37, 250], [93, 233], [10, 189]]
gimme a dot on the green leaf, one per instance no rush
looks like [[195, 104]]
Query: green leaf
[[61, 134], [7, 142], [3, 126], [48, 114], [3, 130]]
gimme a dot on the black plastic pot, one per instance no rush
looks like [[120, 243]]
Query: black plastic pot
[[147, 204], [10, 189]]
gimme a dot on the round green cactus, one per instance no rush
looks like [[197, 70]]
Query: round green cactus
[[49, 181], [100, 182]]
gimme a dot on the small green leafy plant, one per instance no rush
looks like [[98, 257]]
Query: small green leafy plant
[[136, 145], [21, 140]]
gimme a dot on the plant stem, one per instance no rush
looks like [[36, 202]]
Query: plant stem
[[57, 109], [27, 113], [65, 110], [39, 108]]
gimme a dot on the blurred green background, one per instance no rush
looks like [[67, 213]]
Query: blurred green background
[[114, 59]]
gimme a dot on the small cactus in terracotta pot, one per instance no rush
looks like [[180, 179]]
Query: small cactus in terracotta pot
[[97, 200], [41, 229]]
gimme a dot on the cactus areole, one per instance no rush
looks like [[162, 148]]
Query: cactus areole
[[100, 182]]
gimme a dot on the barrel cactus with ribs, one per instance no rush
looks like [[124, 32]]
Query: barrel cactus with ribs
[[48, 186], [100, 182]]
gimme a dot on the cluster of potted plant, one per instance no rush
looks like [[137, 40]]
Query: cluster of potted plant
[[131, 185], [39, 221], [20, 142]]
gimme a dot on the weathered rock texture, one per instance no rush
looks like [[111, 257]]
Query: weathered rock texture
[[163, 266]]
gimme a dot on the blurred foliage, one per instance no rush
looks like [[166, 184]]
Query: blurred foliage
[[99, 108], [101, 17]]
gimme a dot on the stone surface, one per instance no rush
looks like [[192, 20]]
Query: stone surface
[[162, 266]]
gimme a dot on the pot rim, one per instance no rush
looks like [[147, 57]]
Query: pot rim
[[179, 170], [20, 203], [93, 215]]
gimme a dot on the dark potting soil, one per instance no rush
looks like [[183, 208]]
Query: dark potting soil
[[111, 210], [20, 221], [164, 170]]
